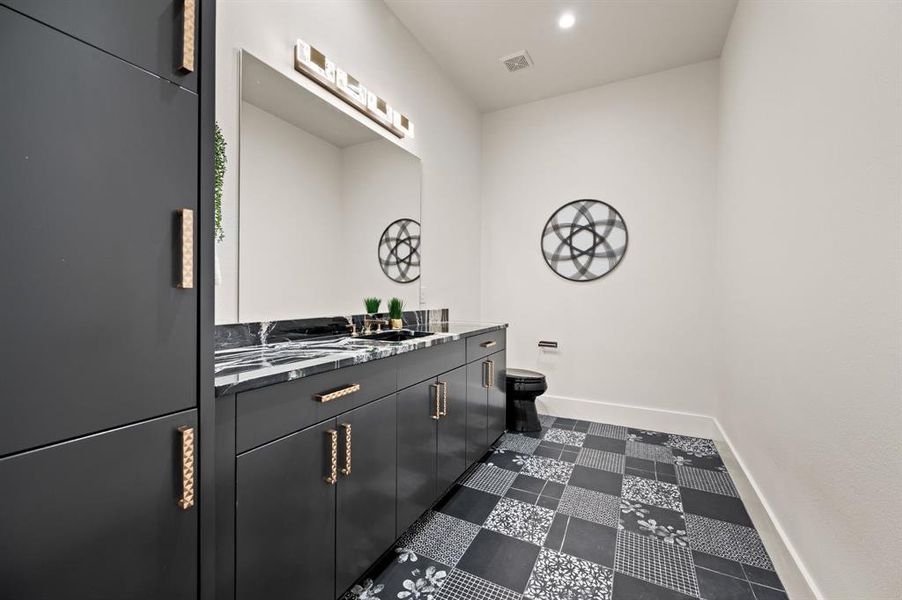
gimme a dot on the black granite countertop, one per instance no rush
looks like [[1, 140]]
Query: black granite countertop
[[249, 367]]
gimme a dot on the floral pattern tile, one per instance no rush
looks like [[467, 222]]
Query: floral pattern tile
[[506, 459], [669, 526], [520, 520], [548, 468], [649, 491], [559, 576], [561, 436]]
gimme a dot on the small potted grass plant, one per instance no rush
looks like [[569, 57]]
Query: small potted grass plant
[[372, 307], [395, 308]]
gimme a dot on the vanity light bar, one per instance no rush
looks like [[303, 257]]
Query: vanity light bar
[[313, 64]]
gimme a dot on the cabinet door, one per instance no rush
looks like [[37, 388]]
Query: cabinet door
[[366, 498], [497, 407], [96, 158], [147, 33], [285, 519], [452, 429], [98, 517], [477, 411], [416, 451]]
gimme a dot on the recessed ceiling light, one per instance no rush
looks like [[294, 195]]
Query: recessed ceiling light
[[566, 21]]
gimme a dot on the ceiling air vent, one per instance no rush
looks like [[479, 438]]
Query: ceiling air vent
[[517, 61]]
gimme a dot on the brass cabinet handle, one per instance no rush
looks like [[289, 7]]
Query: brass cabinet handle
[[345, 391], [436, 398], [485, 374], [187, 499], [333, 465], [490, 344], [444, 411], [188, 19], [347, 468], [490, 381], [186, 278]]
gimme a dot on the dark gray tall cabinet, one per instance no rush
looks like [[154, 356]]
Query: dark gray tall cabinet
[[106, 243]]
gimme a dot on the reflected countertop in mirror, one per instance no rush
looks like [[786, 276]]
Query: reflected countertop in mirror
[[243, 368]]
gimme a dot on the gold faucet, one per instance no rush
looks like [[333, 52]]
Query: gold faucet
[[368, 323]]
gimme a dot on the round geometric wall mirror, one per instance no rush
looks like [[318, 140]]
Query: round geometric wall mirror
[[584, 240], [399, 251]]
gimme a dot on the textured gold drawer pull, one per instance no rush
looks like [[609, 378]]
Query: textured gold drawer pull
[[491, 373], [444, 412], [345, 391], [187, 499], [347, 468], [186, 279], [485, 374], [188, 36], [490, 344], [436, 398], [333, 465]]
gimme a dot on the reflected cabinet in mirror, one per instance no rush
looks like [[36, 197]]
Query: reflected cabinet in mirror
[[329, 208]]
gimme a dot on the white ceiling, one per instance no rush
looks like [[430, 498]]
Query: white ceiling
[[611, 40]]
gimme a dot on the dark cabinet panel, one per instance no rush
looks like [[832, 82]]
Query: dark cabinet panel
[[365, 526], [147, 33], [497, 405], [480, 346], [97, 157], [417, 410], [427, 363], [285, 522], [452, 429], [98, 517], [477, 410], [271, 412]]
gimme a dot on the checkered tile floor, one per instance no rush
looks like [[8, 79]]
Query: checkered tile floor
[[583, 511]]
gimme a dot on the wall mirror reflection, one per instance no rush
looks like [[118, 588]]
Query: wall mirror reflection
[[329, 209]]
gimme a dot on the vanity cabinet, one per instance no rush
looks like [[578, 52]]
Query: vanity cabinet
[[432, 452], [486, 403], [100, 517], [285, 519], [317, 477], [316, 508]]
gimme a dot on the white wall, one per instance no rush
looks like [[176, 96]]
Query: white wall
[[366, 39], [643, 334], [809, 260]]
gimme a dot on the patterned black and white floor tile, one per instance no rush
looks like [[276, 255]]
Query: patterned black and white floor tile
[[583, 511]]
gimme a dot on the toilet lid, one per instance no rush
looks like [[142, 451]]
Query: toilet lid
[[523, 374]]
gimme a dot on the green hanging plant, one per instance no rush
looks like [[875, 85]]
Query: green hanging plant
[[219, 169]]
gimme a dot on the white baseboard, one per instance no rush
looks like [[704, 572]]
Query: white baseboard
[[640, 417], [796, 578]]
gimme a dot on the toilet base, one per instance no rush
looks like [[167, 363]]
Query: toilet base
[[522, 416]]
